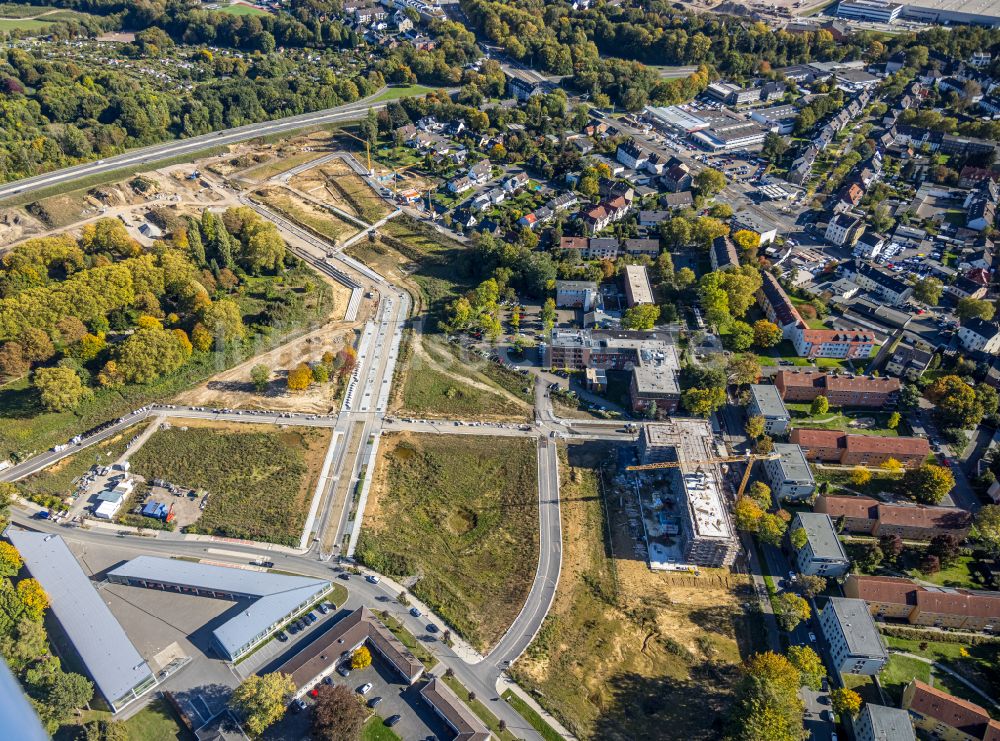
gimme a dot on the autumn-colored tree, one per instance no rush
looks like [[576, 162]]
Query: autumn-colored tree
[[860, 476], [320, 373], [766, 334], [760, 493], [70, 330], [36, 345], [201, 338], [747, 514], [798, 538], [148, 322], [772, 528], [32, 597], [187, 349], [300, 377], [893, 422], [928, 484], [820, 405], [743, 369], [337, 714], [791, 610], [846, 702], [260, 700], [768, 704], [13, 362], [361, 658], [90, 346], [10, 560], [746, 240], [755, 427], [809, 664], [892, 465], [59, 388]]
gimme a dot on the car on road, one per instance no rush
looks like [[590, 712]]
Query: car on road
[[344, 575], [374, 701], [393, 720], [372, 579], [365, 688], [812, 637], [415, 612]]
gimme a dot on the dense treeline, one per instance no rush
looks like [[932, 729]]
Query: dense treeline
[[102, 311], [56, 113]]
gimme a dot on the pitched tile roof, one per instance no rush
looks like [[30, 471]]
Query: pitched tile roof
[[953, 711]]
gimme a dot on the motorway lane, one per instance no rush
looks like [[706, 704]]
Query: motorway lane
[[177, 148]]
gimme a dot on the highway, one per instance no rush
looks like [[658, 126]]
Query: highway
[[180, 147]]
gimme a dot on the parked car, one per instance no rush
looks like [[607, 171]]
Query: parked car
[[415, 612], [299, 705], [365, 688], [372, 579], [327, 680], [282, 636], [324, 608], [343, 671], [392, 720], [432, 628], [374, 701], [812, 637]]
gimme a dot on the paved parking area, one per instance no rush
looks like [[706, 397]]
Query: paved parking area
[[417, 720]]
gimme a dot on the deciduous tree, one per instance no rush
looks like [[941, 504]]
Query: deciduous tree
[[860, 476], [755, 427], [791, 610], [337, 714], [361, 658], [743, 369], [809, 664], [987, 529], [10, 560], [820, 405], [641, 316], [928, 484], [300, 377], [60, 388], [846, 702], [765, 333], [260, 700], [260, 376]]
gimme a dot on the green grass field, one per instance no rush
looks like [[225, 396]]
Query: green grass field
[[21, 24], [461, 513], [900, 671], [477, 706], [430, 393], [404, 91], [962, 573], [840, 420], [239, 9], [375, 729], [156, 722], [258, 479], [528, 713], [838, 480]]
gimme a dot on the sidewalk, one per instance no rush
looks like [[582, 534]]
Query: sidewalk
[[505, 683]]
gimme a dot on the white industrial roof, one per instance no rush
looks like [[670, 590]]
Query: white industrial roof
[[275, 595], [98, 637]]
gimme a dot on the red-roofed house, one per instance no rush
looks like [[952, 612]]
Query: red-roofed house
[[910, 521], [833, 446], [940, 607], [946, 717], [840, 390]]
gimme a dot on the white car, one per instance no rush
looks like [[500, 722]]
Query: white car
[[372, 579], [365, 688]]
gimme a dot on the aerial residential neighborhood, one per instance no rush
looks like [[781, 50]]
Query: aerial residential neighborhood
[[496, 369]]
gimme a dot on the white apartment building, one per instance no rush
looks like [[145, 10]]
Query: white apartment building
[[854, 641]]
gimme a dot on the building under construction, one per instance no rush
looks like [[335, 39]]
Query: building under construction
[[686, 521]]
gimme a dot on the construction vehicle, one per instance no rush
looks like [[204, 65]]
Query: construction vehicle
[[749, 459]]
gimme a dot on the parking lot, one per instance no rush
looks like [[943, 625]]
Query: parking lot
[[416, 721]]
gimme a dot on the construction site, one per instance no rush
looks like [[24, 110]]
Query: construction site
[[674, 499]]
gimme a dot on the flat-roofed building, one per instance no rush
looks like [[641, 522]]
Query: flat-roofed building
[[727, 130], [855, 646], [319, 659], [119, 672], [454, 712], [869, 10], [779, 118], [655, 380], [576, 294], [946, 717], [881, 723], [822, 554], [765, 401], [276, 598], [944, 12], [637, 287], [863, 515], [789, 475]]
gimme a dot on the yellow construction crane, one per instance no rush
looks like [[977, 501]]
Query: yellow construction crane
[[368, 149], [748, 459]]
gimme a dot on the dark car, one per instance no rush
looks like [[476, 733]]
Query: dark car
[[293, 628], [282, 636], [344, 575], [374, 701], [327, 680], [393, 720], [343, 671], [432, 628]]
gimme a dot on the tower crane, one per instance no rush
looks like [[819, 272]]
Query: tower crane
[[368, 149], [748, 459]]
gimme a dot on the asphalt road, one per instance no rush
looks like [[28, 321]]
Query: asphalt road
[[178, 148]]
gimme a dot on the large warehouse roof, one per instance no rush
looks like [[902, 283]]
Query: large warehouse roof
[[109, 655], [274, 595]]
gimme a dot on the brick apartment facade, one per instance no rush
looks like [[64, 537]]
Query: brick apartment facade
[[863, 515], [839, 390], [946, 717], [902, 599], [833, 446]]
